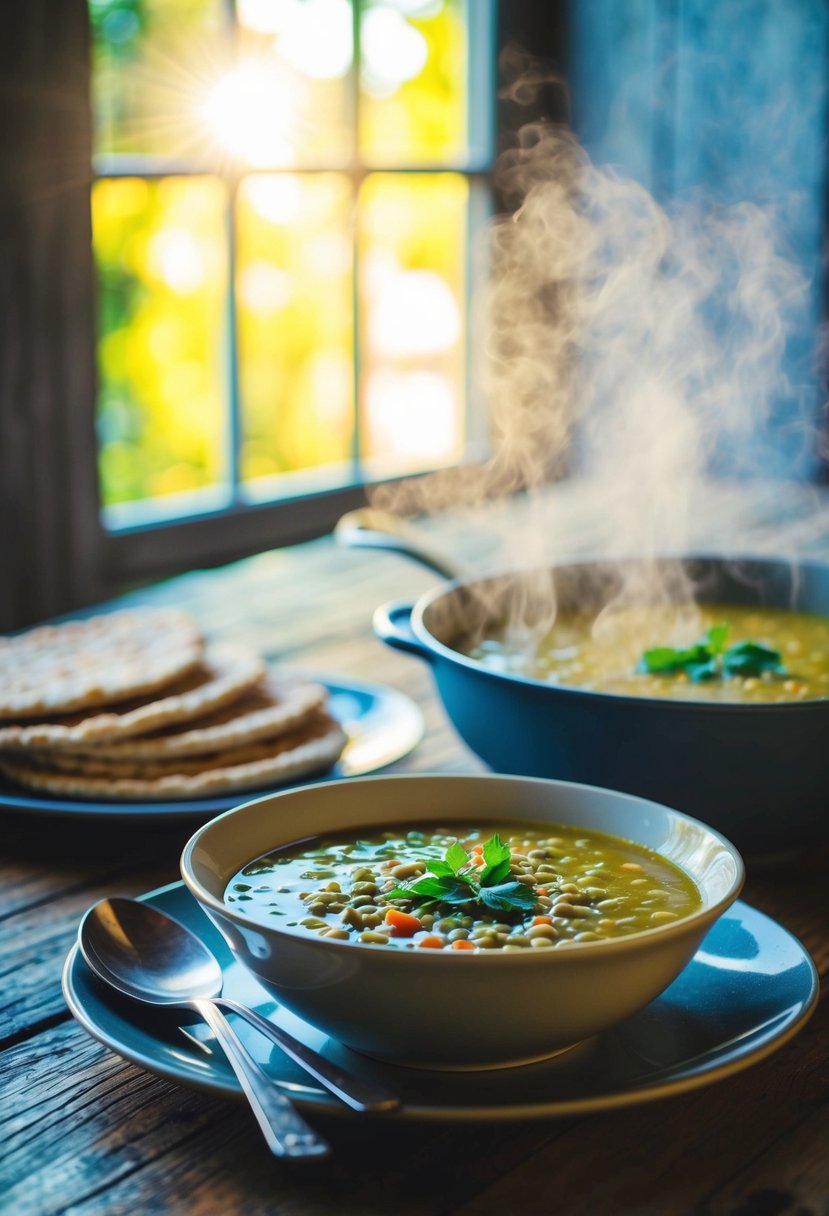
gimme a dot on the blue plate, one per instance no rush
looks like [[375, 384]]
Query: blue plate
[[382, 725], [750, 987]]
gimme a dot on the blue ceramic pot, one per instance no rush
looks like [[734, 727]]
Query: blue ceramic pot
[[758, 773]]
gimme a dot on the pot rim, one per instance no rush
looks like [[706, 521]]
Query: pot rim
[[665, 704]]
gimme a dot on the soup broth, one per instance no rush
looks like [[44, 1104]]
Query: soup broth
[[507, 887], [605, 654]]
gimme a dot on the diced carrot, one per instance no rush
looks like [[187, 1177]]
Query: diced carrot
[[462, 944], [541, 891], [402, 924], [433, 942], [477, 848], [542, 920]]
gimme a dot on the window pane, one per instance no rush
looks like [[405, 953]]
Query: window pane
[[175, 79], [162, 265], [153, 61], [413, 82], [288, 101], [295, 324], [413, 294]]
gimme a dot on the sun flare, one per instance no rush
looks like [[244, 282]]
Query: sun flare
[[251, 112]]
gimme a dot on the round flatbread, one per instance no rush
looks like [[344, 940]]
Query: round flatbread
[[98, 661], [313, 748], [271, 707], [222, 677]]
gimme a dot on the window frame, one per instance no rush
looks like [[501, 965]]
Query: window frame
[[151, 546]]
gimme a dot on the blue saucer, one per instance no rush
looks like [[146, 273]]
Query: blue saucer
[[749, 988]]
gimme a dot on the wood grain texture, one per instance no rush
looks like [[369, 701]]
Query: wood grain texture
[[168, 1143], [86, 1133], [34, 943]]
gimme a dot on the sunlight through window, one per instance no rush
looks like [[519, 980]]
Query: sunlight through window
[[271, 307]]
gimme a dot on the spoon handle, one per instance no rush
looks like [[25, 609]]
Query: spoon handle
[[287, 1133], [358, 1094]]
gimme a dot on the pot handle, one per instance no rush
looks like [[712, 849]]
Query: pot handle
[[392, 624], [368, 528]]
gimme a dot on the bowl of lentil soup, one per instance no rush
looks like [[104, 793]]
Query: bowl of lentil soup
[[718, 707], [461, 921]]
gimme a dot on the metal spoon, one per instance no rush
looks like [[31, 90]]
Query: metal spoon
[[131, 947], [139, 949]]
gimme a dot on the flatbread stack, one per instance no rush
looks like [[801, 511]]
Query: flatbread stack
[[136, 706]]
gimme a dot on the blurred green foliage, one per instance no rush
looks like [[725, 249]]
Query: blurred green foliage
[[162, 261]]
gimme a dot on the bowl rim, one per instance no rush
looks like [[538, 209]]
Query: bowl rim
[[704, 915], [428, 639]]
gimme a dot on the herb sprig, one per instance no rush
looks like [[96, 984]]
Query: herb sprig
[[456, 880], [710, 659]]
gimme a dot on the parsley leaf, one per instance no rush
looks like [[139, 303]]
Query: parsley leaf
[[708, 659], [450, 883], [707, 670], [751, 659], [508, 895], [443, 870], [668, 659], [716, 636], [496, 862], [449, 890], [454, 860], [457, 856]]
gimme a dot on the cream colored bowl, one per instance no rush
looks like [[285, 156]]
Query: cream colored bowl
[[458, 1009]]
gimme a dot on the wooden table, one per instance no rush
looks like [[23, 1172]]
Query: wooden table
[[82, 1131]]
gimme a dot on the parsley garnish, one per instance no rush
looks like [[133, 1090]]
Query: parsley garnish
[[455, 880], [710, 659]]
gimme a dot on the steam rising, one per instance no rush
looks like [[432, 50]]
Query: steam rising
[[636, 346]]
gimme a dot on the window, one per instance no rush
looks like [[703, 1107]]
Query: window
[[285, 198]]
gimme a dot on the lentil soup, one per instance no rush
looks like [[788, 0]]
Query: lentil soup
[[605, 654], [506, 887]]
